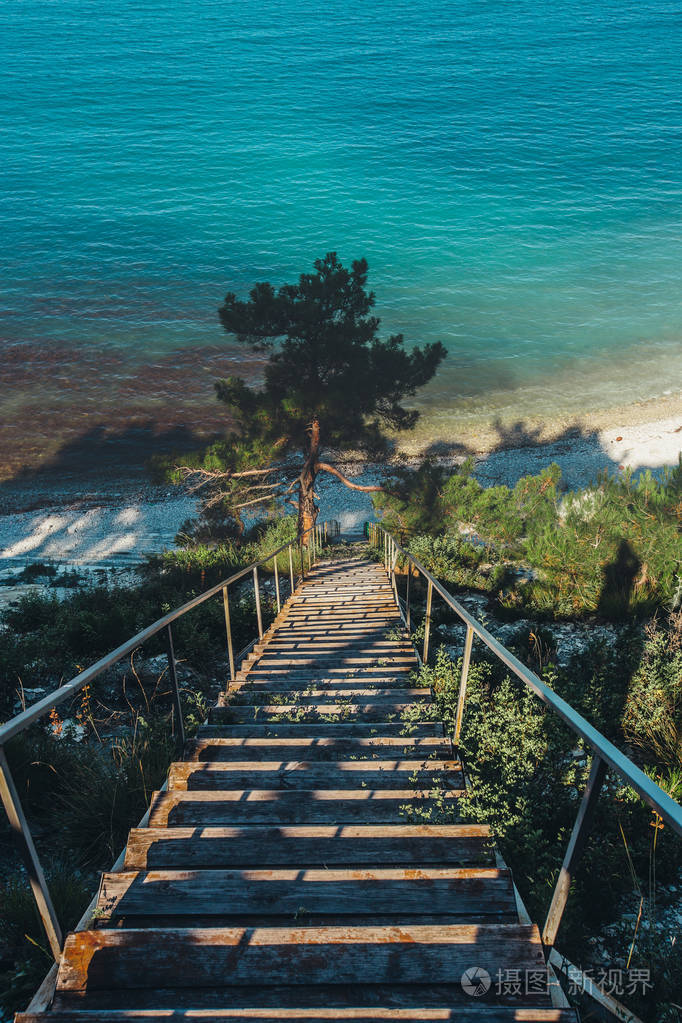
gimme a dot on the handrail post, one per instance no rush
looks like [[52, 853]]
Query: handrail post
[[291, 566], [256, 592], [20, 830], [407, 596], [228, 631], [325, 531], [172, 670], [279, 603], [427, 622], [394, 581], [461, 697], [302, 569], [575, 846]]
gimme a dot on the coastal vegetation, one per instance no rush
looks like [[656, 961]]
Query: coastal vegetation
[[610, 550], [528, 774], [586, 588]]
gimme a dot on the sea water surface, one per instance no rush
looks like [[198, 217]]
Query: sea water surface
[[511, 171]]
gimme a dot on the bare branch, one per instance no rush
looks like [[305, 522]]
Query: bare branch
[[256, 500], [198, 478], [216, 498], [325, 467]]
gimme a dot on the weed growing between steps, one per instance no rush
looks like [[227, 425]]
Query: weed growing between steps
[[528, 773]]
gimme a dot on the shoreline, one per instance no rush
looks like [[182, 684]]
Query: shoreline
[[110, 516]]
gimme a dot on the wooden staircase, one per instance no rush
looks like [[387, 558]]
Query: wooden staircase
[[291, 871]]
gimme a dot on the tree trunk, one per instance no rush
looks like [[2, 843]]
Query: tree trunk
[[307, 509]]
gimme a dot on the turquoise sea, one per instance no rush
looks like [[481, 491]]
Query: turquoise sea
[[511, 171]]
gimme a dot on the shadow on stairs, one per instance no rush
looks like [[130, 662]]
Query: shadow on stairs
[[307, 861]]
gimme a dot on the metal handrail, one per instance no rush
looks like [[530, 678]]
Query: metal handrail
[[9, 795], [605, 754]]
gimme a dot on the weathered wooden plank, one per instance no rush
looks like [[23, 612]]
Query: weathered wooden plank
[[300, 806], [340, 612], [309, 845], [364, 729], [322, 1014], [322, 679], [400, 774], [306, 676], [326, 628], [198, 958], [323, 748], [387, 710], [455, 893], [329, 648], [396, 688], [253, 694], [306, 661], [279, 996]]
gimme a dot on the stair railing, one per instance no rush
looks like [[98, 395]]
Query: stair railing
[[605, 755], [316, 537]]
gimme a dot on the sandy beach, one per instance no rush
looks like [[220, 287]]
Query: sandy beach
[[111, 518]]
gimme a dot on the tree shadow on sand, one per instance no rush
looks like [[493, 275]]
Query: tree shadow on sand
[[520, 449], [97, 460]]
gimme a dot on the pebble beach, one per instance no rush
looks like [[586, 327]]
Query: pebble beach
[[91, 523]]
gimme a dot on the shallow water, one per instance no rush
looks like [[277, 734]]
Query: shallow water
[[513, 174]]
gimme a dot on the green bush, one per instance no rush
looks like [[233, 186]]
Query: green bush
[[611, 550], [528, 772], [24, 955]]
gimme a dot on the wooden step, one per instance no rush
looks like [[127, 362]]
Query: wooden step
[[362, 729], [309, 846], [330, 687], [329, 670], [453, 894], [304, 659], [281, 643], [325, 1013], [294, 609], [278, 681], [300, 806], [385, 710], [361, 628], [339, 641], [194, 958], [400, 774], [323, 748], [257, 693]]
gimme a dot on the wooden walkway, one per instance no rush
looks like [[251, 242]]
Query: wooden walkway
[[289, 870]]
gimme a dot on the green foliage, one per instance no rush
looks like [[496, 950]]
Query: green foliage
[[44, 639], [652, 719], [25, 958], [528, 773], [328, 380], [325, 360], [612, 549]]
